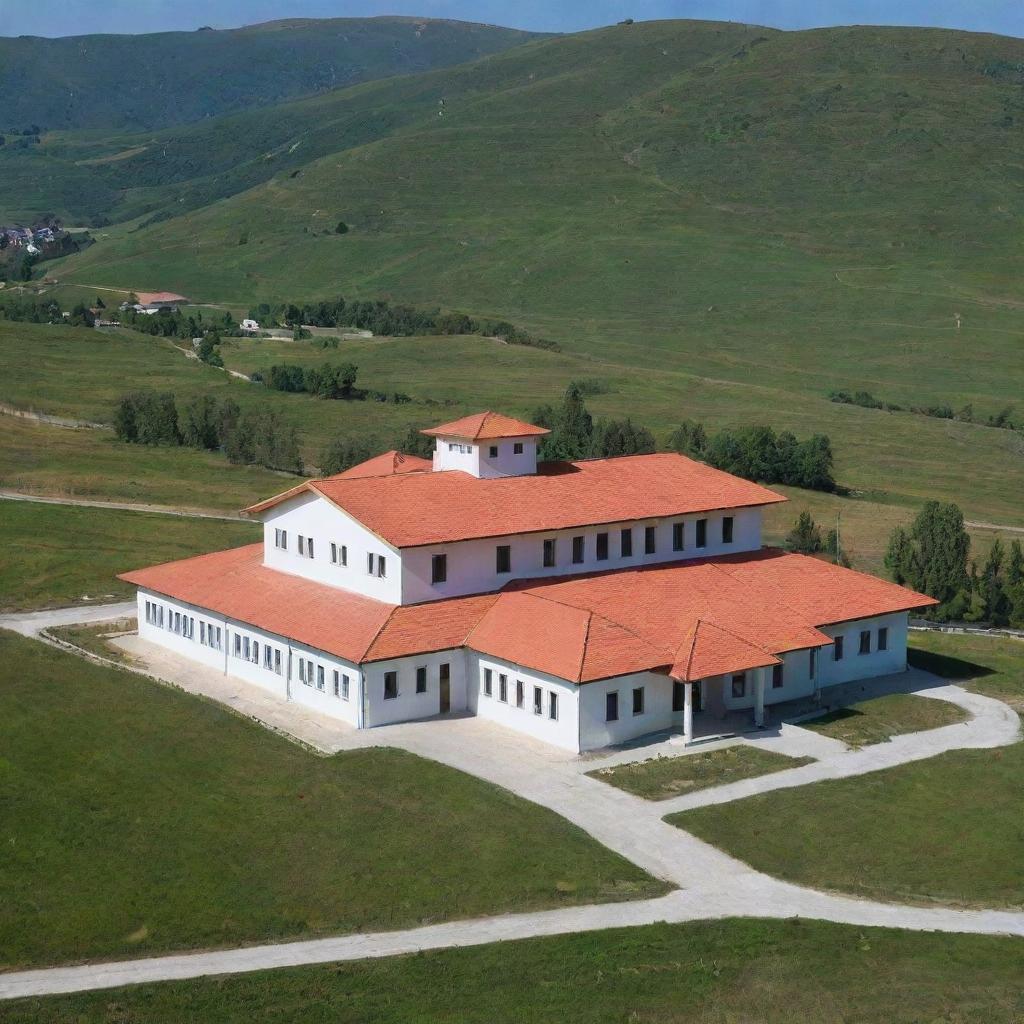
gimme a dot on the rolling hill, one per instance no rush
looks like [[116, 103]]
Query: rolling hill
[[715, 220]]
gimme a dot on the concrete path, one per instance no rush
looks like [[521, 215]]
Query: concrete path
[[126, 506], [32, 623], [711, 884]]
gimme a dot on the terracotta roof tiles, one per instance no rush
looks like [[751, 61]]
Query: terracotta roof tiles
[[486, 426]]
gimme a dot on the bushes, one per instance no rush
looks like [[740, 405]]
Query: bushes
[[327, 381], [255, 436], [26, 310], [758, 453], [344, 453], [1002, 420], [394, 321]]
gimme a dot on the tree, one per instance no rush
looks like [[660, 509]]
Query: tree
[[571, 426], [415, 443], [100, 304], [834, 549], [208, 350], [992, 586], [900, 558], [689, 438], [147, 417], [345, 452], [620, 437], [341, 229], [805, 537], [1015, 584]]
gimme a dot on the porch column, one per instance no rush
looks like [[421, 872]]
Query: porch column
[[687, 713], [759, 697]]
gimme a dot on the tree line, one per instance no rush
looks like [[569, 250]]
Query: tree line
[[253, 437], [759, 453], [1002, 420], [382, 317]]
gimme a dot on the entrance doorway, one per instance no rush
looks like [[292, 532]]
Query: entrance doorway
[[679, 696], [445, 689]]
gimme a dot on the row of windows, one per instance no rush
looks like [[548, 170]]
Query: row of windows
[[376, 565], [184, 625], [611, 704], [881, 644], [391, 690], [516, 694], [492, 450], [250, 650], [312, 674]]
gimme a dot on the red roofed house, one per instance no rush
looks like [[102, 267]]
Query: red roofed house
[[582, 603]]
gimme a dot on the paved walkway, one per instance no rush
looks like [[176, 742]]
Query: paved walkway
[[711, 883]]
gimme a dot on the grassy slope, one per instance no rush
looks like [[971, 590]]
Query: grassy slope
[[716, 227], [58, 555], [720, 972], [880, 718], [137, 818], [945, 829]]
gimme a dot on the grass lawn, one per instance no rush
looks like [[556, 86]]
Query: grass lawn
[[94, 637], [881, 718], [137, 819], [717, 972], [60, 555], [662, 777], [40, 459], [947, 829]]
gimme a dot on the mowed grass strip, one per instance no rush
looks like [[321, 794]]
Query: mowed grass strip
[[717, 972], [663, 777], [881, 718], [947, 829], [59, 555], [96, 637], [136, 819]]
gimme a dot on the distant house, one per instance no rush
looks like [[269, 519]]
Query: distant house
[[250, 325], [153, 302]]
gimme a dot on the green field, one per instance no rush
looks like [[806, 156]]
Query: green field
[[947, 829], [137, 819], [718, 972], [661, 778], [881, 718], [58, 555]]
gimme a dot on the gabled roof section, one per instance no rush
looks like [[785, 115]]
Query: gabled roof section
[[391, 463], [485, 426], [710, 650]]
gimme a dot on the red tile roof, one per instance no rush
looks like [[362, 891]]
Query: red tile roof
[[486, 426], [152, 298], [691, 619], [389, 464], [414, 509]]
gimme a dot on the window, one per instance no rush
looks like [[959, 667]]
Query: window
[[517, 447], [837, 649], [638, 700], [727, 522], [626, 543], [390, 685], [577, 550], [344, 686], [202, 629], [678, 536], [520, 694], [493, 451], [678, 696], [549, 553], [488, 682], [339, 554], [439, 569], [650, 540], [739, 685], [883, 638], [503, 688], [382, 566], [268, 657], [281, 539], [177, 625], [238, 646], [320, 677], [302, 545], [255, 659], [245, 647], [777, 677], [538, 701], [553, 706], [306, 671], [277, 655], [336, 680], [376, 565], [421, 679], [865, 641], [602, 546], [702, 533], [812, 662], [611, 707], [503, 558]]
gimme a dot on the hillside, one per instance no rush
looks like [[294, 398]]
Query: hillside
[[716, 220], [167, 78]]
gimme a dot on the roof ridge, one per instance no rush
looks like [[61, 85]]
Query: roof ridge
[[583, 647], [387, 619]]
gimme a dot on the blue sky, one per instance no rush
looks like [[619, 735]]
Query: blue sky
[[74, 17]]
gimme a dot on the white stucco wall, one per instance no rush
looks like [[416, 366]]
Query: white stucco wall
[[310, 515], [479, 462], [471, 564], [410, 705], [853, 665], [657, 715]]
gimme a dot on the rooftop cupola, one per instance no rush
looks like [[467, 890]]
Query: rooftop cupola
[[487, 445]]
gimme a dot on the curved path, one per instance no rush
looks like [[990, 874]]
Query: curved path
[[125, 506], [711, 883]]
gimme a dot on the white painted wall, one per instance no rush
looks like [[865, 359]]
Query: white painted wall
[[657, 715], [311, 515], [471, 564], [478, 460], [864, 666], [410, 705]]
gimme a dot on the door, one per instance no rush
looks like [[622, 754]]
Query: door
[[679, 696], [445, 689]]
